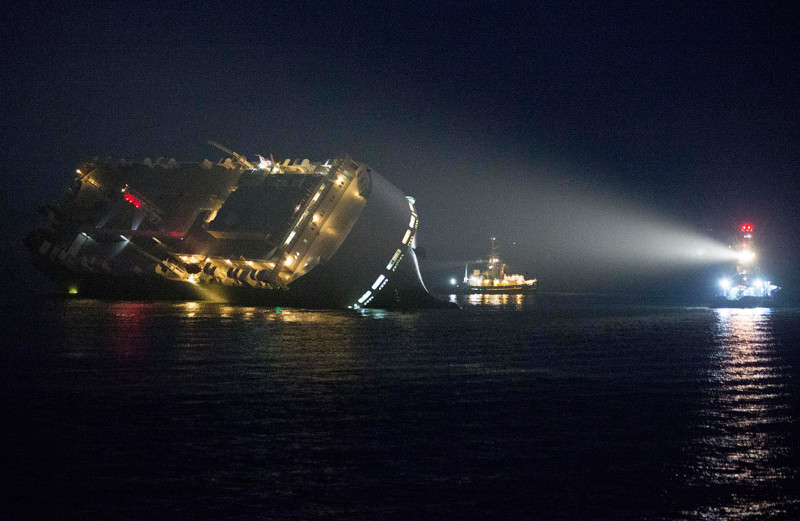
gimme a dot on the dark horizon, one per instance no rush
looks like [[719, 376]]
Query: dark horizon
[[569, 131]]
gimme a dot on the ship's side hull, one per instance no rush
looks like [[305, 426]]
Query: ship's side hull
[[745, 302], [384, 231], [503, 290], [357, 251]]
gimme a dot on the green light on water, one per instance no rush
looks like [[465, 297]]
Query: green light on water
[[73, 290], [278, 310]]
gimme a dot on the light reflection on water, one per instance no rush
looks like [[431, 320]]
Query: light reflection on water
[[129, 320], [373, 313], [572, 408], [495, 299], [740, 434]]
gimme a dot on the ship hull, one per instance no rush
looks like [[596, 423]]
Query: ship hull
[[136, 288], [332, 236], [744, 302], [498, 290]]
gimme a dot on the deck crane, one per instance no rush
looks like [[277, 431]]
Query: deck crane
[[241, 159]]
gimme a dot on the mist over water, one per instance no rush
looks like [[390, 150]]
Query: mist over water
[[575, 234]]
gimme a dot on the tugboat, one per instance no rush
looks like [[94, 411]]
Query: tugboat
[[494, 279], [746, 288]]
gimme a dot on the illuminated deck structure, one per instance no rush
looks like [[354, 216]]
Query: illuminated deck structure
[[332, 234], [494, 279], [747, 285]]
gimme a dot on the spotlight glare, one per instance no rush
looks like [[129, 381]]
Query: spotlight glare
[[747, 256]]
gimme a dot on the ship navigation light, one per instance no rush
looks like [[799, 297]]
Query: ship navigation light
[[747, 228], [135, 201]]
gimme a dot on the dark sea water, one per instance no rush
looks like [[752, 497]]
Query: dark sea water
[[553, 407]]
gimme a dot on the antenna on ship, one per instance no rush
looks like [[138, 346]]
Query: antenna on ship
[[241, 159]]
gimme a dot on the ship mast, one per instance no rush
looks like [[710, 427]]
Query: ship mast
[[496, 267], [747, 257]]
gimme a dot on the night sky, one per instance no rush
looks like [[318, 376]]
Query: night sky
[[563, 129]]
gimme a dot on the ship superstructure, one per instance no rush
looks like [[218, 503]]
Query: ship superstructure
[[493, 278], [748, 284], [322, 234]]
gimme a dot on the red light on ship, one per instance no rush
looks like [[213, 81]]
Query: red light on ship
[[747, 228], [135, 201]]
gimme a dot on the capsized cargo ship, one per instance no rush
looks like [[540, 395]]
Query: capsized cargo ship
[[747, 287], [493, 278], [313, 234]]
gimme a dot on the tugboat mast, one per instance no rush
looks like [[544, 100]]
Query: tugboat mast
[[746, 265]]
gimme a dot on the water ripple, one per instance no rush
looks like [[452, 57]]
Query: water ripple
[[741, 447]]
